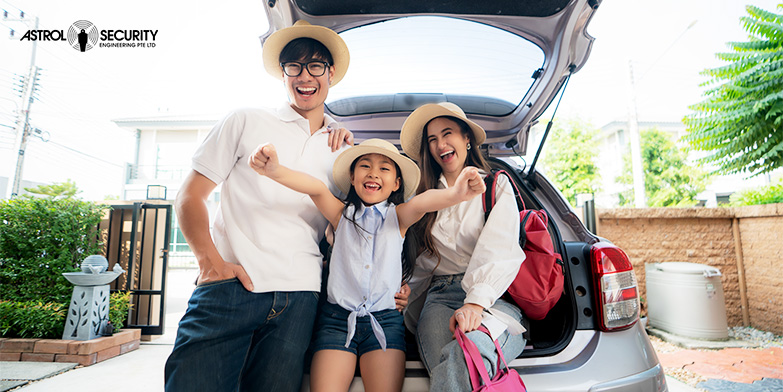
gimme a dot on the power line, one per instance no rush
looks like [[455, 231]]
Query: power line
[[84, 153], [17, 8], [61, 157], [667, 50], [8, 71]]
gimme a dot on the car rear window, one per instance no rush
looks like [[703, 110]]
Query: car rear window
[[401, 63]]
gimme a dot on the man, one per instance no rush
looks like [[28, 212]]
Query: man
[[250, 319]]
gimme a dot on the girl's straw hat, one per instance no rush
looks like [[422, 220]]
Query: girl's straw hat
[[413, 128], [301, 29], [342, 165]]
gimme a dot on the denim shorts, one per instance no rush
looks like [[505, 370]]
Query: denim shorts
[[332, 330]]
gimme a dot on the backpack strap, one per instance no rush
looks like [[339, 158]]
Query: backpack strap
[[491, 181], [488, 201]]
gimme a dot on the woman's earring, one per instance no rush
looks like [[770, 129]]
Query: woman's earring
[[468, 146]]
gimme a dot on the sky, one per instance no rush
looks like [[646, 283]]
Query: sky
[[667, 43], [207, 60]]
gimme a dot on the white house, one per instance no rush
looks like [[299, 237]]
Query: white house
[[614, 142], [163, 148]]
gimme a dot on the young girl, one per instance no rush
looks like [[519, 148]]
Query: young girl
[[359, 319]]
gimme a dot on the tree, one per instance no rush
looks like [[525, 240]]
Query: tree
[[740, 122], [58, 190], [570, 158], [766, 194], [668, 180]]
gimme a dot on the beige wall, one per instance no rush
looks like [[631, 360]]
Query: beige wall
[[706, 236]]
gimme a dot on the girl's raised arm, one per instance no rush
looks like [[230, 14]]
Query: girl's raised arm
[[468, 185], [264, 161]]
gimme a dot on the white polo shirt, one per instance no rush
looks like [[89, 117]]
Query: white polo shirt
[[272, 231]]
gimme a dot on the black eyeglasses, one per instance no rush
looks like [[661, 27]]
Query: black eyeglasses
[[294, 68]]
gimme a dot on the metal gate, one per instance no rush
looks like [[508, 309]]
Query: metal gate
[[136, 235]]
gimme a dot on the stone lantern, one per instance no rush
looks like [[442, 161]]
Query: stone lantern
[[88, 312]]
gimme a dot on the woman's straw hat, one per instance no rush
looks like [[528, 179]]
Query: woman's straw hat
[[413, 128]]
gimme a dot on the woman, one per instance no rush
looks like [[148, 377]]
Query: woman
[[464, 264]]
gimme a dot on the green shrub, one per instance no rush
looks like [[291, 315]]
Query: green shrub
[[767, 194], [37, 280], [119, 304], [40, 238], [32, 319]]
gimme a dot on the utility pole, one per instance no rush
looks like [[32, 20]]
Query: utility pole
[[639, 196], [24, 129]]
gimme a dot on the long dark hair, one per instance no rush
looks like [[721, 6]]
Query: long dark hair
[[397, 197], [430, 174]]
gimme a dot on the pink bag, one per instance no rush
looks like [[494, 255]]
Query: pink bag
[[506, 380]]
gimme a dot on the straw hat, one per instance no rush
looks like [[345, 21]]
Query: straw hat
[[342, 165], [301, 29], [413, 128]]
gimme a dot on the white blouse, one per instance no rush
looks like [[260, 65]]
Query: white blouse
[[488, 253], [365, 271]]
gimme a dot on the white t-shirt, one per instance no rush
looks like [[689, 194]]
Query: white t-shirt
[[272, 231]]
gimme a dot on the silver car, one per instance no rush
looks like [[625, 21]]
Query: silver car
[[503, 62]]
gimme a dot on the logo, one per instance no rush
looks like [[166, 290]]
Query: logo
[[82, 35], [43, 35]]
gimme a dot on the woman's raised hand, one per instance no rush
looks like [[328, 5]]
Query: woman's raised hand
[[264, 159], [469, 184]]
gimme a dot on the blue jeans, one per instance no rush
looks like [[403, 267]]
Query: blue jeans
[[440, 352], [231, 339]]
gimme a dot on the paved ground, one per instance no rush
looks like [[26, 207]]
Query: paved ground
[[140, 370], [713, 366], [730, 369], [730, 364], [15, 374]]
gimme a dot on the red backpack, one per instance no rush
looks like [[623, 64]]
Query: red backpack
[[539, 282]]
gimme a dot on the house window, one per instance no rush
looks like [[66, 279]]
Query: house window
[[621, 138], [723, 198]]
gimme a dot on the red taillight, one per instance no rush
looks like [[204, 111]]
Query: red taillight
[[617, 297]]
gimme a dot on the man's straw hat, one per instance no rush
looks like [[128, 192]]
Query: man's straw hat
[[301, 29]]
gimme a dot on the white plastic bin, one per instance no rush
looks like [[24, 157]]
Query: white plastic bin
[[686, 299]]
